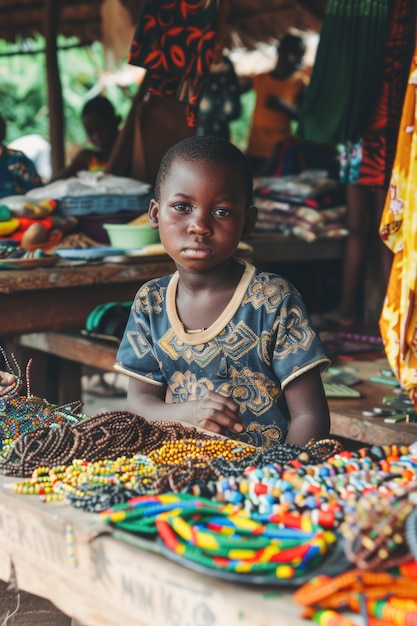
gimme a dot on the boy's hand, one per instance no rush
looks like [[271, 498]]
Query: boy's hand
[[215, 412], [6, 379]]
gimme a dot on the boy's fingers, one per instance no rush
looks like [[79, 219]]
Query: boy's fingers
[[223, 403], [222, 421]]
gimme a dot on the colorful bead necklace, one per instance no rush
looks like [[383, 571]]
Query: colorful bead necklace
[[222, 537]]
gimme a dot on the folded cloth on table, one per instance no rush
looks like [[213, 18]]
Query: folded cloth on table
[[300, 221], [94, 192], [310, 188]]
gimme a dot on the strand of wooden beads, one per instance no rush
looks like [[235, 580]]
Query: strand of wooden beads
[[176, 452], [106, 435]]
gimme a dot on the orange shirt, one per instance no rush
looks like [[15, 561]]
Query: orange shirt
[[269, 126]]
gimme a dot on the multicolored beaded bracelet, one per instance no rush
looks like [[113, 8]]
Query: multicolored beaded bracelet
[[222, 537]]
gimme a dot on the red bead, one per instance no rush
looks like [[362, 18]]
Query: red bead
[[260, 489]]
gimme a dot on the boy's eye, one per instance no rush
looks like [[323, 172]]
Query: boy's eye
[[180, 206], [222, 212]]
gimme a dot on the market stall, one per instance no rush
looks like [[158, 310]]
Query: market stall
[[138, 522]]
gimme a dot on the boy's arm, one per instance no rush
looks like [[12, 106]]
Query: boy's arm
[[78, 164], [213, 412], [308, 409]]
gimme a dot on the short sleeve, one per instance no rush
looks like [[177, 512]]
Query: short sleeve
[[136, 355], [297, 347]]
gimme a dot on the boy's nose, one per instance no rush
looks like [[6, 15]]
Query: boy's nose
[[200, 224]]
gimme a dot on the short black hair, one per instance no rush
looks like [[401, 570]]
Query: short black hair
[[102, 107], [211, 150], [292, 42]]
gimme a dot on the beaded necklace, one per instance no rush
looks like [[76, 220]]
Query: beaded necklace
[[20, 415], [103, 436], [222, 537]]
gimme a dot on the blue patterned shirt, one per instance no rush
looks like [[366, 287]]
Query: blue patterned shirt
[[261, 342]]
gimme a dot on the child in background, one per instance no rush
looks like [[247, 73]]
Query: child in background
[[101, 125], [279, 94], [233, 346]]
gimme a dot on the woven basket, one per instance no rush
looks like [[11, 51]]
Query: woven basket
[[103, 204]]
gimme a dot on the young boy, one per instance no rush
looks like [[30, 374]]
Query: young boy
[[232, 346], [101, 125]]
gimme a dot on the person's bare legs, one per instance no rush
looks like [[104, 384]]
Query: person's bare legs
[[364, 210], [359, 204]]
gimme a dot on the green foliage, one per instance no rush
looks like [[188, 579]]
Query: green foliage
[[23, 90], [23, 87], [239, 129]]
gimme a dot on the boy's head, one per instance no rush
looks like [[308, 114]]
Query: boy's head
[[203, 202], [209, 150], [291, 50], [100, 122]]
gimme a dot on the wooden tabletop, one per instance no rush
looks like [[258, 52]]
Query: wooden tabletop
[[346, 415], [60, 297], [273, 247]]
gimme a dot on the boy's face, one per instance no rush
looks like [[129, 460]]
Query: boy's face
[[100, 131], [201, 213]]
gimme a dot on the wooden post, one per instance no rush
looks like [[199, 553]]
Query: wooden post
[[52, 11]]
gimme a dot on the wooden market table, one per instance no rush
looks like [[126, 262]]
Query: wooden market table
[[274, 247], [60, 297], [107, 582], [346, 416]]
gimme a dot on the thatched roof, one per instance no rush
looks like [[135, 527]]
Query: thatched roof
[[254, 21], [250, 21]]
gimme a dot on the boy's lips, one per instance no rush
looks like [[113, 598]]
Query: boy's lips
[[197, 252]]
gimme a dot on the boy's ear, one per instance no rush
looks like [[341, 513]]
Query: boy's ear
[[250, 220], [153, 213]]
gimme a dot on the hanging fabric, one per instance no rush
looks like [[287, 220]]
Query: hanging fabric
[[380, 135], [347, 71], [398, 229], [176, 41]]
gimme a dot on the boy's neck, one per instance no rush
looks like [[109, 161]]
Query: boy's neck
[[202, 300], [220, 278]]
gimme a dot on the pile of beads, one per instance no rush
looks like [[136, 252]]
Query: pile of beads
[[386, 596], [328, 494], [106, 435], [20, 415], [94, 486], [176, 452], [81, 478], [221, 537], [375, 529]]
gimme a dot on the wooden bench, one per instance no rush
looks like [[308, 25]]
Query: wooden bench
[[59, 359]]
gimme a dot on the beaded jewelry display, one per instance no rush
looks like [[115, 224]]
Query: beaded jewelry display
[[20, 415], [387, 597], [375, 530], [103, 436], [221, 537]]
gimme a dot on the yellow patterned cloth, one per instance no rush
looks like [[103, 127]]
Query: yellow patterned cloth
[[398, 230]]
